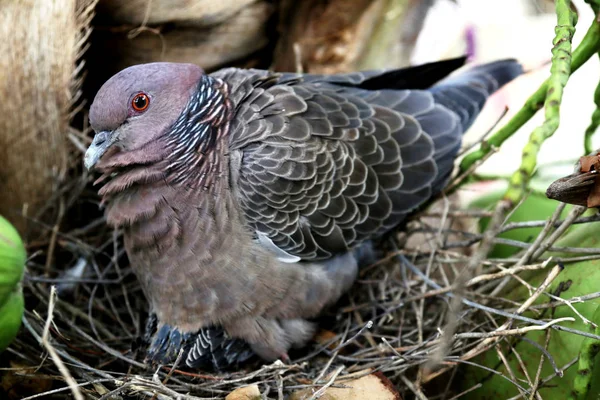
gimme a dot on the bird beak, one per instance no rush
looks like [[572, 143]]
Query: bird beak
[[102, 141]]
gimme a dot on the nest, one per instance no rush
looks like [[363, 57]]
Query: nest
[[401, 318]]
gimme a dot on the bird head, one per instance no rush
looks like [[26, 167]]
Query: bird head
[[137, 106]]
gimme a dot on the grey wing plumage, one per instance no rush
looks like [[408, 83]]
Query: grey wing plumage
[[327, 162]]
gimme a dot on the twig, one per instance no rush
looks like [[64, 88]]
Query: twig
[[538, 373], [573, 215], [508, 368], [413, 388], [537, 242], [551, 276], [322, 390], [512, 332], [455, 305], [546, 354], [53, 355], [62, 389]]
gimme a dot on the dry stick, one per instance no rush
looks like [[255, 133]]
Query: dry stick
[[545, 232], [321, 391], [108, 349], [546, 353], [551, 376], [280, 387], [50, 349], [508, 315], [457, 182], [489, 342], [560, 300], [491, 370], [469, 390], [536, 224], [530, 288], [549, 279], [62, 389], [66, 307], [506, 272], [570, 305], [53, 236], [576, 299], [522, 365], [537, 242], [508, 368], [156, 386], [512, 332], [469, 147], [573, 215], [460, 284], [413, 388], [65, 355], [534, 389]]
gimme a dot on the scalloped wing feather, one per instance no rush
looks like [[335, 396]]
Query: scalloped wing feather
[[326, 164]]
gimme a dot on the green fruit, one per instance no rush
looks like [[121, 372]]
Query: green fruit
[[577, 279], [11, 313], [12, 265], [12, 259]]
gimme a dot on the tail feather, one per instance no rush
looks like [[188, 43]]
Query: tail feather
[[466, 92]]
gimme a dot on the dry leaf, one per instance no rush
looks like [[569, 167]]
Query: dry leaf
[[22, 381], [324, 337], [373, 387], [245, 393], [591, 163]]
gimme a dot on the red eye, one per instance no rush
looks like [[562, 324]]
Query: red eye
[[140, 102]]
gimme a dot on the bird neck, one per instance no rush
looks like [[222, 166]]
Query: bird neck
[[195, 143], [189, 160]]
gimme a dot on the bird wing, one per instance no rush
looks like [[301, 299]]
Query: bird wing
[[326, 162]]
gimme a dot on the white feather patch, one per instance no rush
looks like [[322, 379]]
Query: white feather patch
[[281, 255]]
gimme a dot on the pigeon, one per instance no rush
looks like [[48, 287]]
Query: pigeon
[[248, 199]]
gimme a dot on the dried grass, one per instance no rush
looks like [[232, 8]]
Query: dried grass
[[40, 72]]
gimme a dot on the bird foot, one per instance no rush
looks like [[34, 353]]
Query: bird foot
[[214, 349], [166, 344], [210, 348], [285, 358]]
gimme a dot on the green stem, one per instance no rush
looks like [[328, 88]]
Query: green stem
[[586, 49], [585, 367], [593, 127], [595, 4], [559, 76]]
